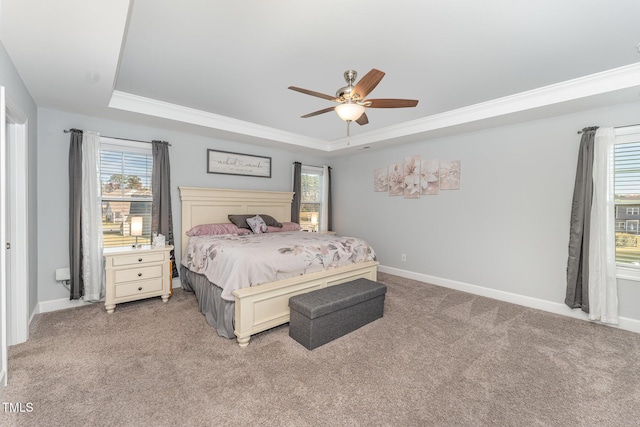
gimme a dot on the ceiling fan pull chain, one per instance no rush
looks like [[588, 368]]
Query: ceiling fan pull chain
[[348, 140]]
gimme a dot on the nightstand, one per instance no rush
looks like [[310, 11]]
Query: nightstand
[[136, 273]]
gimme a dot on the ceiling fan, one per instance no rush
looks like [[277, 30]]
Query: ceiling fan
[[351, 99]]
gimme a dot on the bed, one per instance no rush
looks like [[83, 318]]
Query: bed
[[245, 311]]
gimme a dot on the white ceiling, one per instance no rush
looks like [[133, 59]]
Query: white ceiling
[[222, 68]]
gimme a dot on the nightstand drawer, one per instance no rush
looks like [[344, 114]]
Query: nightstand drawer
[[138, 288], [138, 259], [137, 274]]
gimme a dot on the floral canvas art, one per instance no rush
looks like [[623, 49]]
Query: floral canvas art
[[381, 179], [412, 177], [418, 176], [396, 179], [430, 177], [450, 175]]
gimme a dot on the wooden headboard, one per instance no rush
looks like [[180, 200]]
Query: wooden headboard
[[212, 205]]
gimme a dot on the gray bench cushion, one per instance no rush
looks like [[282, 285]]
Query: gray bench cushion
[[333, 298]]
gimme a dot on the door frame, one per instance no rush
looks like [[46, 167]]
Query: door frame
[[3, 281], [18, 234]]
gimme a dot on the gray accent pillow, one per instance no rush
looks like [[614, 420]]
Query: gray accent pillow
[[240, 220]]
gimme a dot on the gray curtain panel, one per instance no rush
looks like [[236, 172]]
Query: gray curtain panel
[[297, 190], [76, 283], [578, 262], [329, 207], [161, 219]]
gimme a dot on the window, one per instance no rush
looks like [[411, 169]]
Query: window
[[626, 177], [125, 181], [311, 198]]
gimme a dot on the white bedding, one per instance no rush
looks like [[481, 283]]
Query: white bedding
[[238, 261]]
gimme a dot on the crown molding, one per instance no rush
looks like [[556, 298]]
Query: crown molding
[[152, 107], [591, 85]]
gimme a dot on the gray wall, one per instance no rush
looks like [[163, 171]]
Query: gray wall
[[17, 92], [505, 230], [188, 168]]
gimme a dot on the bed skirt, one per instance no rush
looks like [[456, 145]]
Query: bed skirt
[[219, 313]]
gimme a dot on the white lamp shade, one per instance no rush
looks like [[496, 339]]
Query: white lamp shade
[[136, 226], [349, 112]]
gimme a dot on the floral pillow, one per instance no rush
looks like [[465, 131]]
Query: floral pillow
[[257, 224]]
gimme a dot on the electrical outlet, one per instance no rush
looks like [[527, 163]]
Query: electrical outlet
[[62, 274], [403, 257]]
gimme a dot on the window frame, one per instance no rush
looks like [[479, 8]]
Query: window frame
[[313, 170], [625, 135], [126, 146]]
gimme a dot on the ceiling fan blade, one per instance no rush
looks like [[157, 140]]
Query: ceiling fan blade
[[366, 84], [313, 93], [363, 120], [315, 113], [391, 103]]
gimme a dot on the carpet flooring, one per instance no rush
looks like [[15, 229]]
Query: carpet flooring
[[438, 357]]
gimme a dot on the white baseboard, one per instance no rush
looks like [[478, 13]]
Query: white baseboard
[[64, 303], [58, 304], [627, 324]]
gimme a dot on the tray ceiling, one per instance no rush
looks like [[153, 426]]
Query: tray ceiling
[[222, 68]]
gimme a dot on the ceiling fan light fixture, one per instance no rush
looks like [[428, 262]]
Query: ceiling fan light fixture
[[349, 112]]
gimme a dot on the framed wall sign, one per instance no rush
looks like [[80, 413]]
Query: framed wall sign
[[228, 163]]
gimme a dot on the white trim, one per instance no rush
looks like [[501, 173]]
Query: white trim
[[628, 272], [595, 84], [59, 304], [626, 135], [66, 303], [19, 233], [3, 281], [314, 169], [625, 323], [583, 87], [112, 144], [152, 107]]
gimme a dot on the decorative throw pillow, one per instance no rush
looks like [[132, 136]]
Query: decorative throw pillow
[[257, 224], [240, 220]]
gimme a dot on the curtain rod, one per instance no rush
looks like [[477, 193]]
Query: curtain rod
[[313, 166], [121, 139], [618, 127]]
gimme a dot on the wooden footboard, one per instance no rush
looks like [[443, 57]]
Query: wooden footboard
[[263, 307]]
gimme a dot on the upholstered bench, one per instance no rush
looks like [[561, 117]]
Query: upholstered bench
[[321, 316]]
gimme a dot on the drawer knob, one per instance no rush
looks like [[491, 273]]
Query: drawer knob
[[139, 259], [139, 274], [140, 288]]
